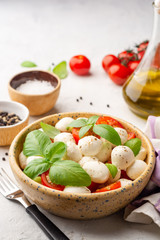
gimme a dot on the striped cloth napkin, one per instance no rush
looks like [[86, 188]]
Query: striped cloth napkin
[[146, 208]]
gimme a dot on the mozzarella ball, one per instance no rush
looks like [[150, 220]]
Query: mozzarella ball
[[64, 137], [105, 152], [62, 124], [22, 160], [31, 158], [115, 179], [98, 171], [157, 3], [142, 154], [122, 157], [87, 159], [136, 169], [90, 145], [73, 152], [123, 134], [125, 182], [71, 189]]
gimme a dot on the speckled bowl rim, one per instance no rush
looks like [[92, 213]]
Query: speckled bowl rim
[[23, 107], [65, 195], [35, 95]]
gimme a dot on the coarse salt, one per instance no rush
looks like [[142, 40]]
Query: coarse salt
[[35, 87]]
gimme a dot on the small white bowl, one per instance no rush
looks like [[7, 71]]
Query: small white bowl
[[7, 133]]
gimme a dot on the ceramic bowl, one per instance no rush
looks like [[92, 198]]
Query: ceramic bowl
[[37, 104], [79, 206], [7, 133]]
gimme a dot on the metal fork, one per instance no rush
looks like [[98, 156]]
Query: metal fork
[[12, 192]]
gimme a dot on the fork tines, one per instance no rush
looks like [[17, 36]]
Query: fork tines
[[6, 184]]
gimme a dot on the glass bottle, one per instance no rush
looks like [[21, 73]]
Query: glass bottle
[[142, 89]]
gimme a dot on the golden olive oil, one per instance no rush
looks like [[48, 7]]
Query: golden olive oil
[[142, 93]]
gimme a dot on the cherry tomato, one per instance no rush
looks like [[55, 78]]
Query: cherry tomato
[[109, 60], [45, 182], [127, 55], [132, 65], [93, 186], [118, 73], [141, 54], [80, 65], [142, 46], [109, 121], [110, 187], [131, 135]]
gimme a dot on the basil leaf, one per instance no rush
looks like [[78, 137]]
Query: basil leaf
[[49, 130], [78, 123], [134, 144], [83, 130], [36, 143], [92, 120], [107, 132], [61, 70], [55, 151], [113, 169], [28, 64], [36, 167], [67, 172]]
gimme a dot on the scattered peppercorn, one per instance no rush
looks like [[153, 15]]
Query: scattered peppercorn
[[3, 159], [6, 154], [7, 119], [77, 100], [91, 103], [108, 105], [81, 98]]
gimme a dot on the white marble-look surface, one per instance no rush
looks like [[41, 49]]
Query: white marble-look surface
[[55, 30]]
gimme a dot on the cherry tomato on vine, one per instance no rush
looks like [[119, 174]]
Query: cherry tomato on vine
[[109, 121], [142, 46], [80, 65], [141, 54], [47, 183], [127, 55], [132, 65], [118, 73], [109, 60]]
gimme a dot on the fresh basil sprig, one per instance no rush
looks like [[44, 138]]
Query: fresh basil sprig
[[64, 172], [134, 144], [112, 168], [49, 130], [103, 130]]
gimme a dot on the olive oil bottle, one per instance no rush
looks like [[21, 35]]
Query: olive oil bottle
[[142, 89]]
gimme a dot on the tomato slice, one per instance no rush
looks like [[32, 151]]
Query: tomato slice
[[46, 183], [109, 121], [110, 187], [131, 135]]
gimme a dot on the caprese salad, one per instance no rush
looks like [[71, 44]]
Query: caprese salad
[[86, 155]]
